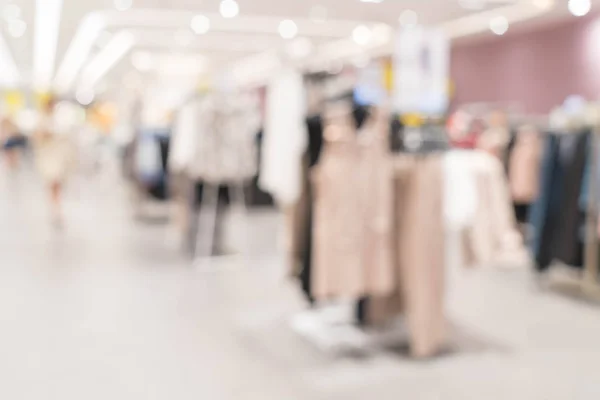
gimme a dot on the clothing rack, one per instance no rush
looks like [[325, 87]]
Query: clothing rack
[[587, 284], [333, 328], [590, 282]]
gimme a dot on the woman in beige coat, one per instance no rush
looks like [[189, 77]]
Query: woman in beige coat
[[53, 157]]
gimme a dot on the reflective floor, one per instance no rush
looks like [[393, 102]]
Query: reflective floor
[[107, 309]]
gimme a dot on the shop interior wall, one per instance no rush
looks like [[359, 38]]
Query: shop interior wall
[[538, 69]]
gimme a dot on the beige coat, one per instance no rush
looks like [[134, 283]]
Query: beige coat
[[54, 151], [524, 166], [353, 204], [419, 256]]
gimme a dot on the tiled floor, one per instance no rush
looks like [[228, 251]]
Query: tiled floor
[[106, 310]]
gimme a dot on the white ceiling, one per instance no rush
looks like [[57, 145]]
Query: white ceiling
[[158, 25]]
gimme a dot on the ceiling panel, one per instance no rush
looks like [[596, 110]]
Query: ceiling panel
[[431, 12]]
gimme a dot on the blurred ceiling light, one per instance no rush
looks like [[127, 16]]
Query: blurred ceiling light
[[543, 4], [78, 51], [288, 29], [371, 1], [362, 35], [47, 29], [579, 8], [142, 61], [408, 18], [123, 5], [200, 24], [318, 14], [300, 48], [229, 8], [16, 28], [108, 57], [11, 11], [85, 96], [499, 25], [472, 4]]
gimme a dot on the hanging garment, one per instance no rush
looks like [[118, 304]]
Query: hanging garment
[[419, 256], [148, 162], [160, 189], [183, 140], [301, 224], [352, 212], [556, 216], [337, 267], [493, 239], [494, 141], [297, 220], [303, 209], [460, 190], [375, 191], [314, 126], [255, 196], [524, 166], [225, 148], [285, 138], [478, 208], [541, 207], [588, 175]]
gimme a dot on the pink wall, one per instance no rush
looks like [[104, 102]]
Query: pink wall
[[537, 69]]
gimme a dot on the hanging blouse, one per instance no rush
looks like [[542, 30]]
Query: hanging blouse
[[285, 138], [225, 148], [184, 136]]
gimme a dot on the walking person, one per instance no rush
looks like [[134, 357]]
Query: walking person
[[12, 143], [53, 154]]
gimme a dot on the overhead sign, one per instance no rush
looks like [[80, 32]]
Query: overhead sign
[[370, 86], [421, 71]]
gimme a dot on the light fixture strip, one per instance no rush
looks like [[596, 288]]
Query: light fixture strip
[[82, 44], [46, 31], [115, 50], [78, 52], [10, 76]]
